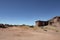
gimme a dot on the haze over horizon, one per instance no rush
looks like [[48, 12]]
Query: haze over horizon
[[27, 11]]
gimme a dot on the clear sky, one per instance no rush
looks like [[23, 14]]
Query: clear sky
[[27, 11]]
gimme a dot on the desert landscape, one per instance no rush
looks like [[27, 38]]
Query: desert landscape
[[29, 19], [17, 33], [25, 32]]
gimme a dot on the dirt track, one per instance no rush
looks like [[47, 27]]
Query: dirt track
[[19, 34]]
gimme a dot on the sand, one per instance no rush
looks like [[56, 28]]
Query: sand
[[15, 33]]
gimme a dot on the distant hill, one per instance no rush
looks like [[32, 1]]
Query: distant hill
[[55, 21]]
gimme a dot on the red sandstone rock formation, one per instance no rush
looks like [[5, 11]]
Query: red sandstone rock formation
[[41, 23], [53, 22]]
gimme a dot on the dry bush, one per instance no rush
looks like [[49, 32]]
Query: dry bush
[[2, 26], [24, 27], [36, 28], [31, 26], [46, 28]]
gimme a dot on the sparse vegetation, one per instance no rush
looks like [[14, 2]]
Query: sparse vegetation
[[2, 26], [31, 26], [45, 28]]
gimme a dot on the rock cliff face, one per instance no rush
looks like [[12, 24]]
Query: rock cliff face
[[53, 22], [41, 23]]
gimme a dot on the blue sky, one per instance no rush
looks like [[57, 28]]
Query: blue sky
[[28, 11]]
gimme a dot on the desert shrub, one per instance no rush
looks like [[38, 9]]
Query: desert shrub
[[2, 26], [31, 26], [8, 25], [36, 28], [23, 25], [50, 28]]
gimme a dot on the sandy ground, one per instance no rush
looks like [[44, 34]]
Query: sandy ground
[[20, 34]]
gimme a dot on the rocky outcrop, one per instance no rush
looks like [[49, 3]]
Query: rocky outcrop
[[41, 23], [53, 22]]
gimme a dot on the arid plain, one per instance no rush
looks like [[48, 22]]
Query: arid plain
[[26, 33]]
